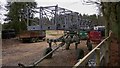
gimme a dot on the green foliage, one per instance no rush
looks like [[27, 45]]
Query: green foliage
[[16, 15], [97, 20]]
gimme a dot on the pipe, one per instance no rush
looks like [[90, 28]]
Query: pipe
[[40, 60], [60, 45]]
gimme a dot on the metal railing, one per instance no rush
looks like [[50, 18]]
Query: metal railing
[[99, 56]]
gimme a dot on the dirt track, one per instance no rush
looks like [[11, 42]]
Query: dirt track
[[25, 53], [64, 57], [28, 53]]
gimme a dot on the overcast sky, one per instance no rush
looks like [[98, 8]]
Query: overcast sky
[[74, 5]]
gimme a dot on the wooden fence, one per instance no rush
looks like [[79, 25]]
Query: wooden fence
[[99, 56]]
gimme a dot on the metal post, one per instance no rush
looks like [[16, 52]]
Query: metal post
[[97, 56], [40, 21], [55, 17]]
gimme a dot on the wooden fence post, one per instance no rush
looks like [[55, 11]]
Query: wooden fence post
[[107, 47], [97, 51]]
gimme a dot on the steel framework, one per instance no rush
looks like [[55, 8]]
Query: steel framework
[[56, 18]]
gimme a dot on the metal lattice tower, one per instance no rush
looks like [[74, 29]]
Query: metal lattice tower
[[56, 18]]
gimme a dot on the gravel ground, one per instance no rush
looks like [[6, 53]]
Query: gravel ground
[[14, 52]]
